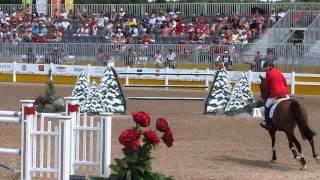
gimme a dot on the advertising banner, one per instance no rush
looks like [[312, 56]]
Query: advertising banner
[[42, 7], [56, 7]]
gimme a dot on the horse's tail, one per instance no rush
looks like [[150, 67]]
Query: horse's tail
[[305, 130]]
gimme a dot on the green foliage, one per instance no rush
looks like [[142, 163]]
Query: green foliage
[[49, 94], [135, 165]]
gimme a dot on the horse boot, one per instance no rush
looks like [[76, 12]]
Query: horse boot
[[267, 122]]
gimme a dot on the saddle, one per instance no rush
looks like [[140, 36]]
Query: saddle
[[275, 103]]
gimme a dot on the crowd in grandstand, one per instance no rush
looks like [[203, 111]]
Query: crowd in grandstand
[[119, 27]]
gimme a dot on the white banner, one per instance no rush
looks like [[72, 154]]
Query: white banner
[[97, 71], [42, 7], [32, 68], [6, 67]]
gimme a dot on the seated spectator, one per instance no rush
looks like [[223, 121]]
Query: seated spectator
[[158, 59], [171, 59]]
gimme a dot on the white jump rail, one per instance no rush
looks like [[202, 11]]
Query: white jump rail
[[49, 145], [166, 98]]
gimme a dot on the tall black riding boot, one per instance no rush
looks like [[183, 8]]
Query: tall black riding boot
[[267, 123]]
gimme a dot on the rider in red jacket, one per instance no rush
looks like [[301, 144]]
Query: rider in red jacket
[[276, 85]]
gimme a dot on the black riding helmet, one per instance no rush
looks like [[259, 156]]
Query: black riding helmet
[[268, 63]]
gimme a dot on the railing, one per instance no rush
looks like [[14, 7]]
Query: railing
[[312, 34], [287, 56], [185, 8]]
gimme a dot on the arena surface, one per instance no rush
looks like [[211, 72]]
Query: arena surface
[[206, 147]]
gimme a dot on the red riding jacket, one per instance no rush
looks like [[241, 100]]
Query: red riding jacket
[[276, 83]]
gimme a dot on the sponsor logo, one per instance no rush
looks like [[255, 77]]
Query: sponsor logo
[[99, 70], [24, 67], [78, 69], [5, 66], [41, 67], [139, 70], [61, 68]]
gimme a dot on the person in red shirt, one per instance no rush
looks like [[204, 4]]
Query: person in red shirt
[[276, 85]]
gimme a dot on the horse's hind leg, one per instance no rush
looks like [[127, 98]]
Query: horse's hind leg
[[297, 144], [273, 139], [314, 154], [292, 147]]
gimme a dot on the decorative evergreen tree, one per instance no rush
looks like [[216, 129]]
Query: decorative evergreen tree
[[236, 103], [112, 95], [242, 99], [246, 91], [219, 94], [81, 88], [93, 103]]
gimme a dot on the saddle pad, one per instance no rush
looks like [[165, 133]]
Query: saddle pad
[[274, 105]]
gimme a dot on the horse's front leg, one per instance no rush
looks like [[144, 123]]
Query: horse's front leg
[[273, 140]]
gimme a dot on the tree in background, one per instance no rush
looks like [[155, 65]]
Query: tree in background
[[81, 89], [242, 99], [112, 95], [93, 103], [219, 94]]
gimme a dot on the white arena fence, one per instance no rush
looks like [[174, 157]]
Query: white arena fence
[[55, 145], [165, 75]]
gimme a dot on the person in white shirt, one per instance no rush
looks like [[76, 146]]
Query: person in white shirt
[[281, 14], [1, 14], [158, 59], [171, 59]]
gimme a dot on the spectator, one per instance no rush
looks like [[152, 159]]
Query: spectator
[[171, 59], [256, 65], [31, 58], [130, 57], [55, 56], [281, 14], [158, 59], [101, 57]]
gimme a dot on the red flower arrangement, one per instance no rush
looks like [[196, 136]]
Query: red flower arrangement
[[138, 144]]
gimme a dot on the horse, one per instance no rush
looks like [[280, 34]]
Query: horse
[[286, 116]]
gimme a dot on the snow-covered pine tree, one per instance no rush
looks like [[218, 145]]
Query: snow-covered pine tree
[[246, 91], [93, 103], [81, 89], [236, 103], [112, 96], [219, 94]]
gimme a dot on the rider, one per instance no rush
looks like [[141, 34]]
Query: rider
[[276, 85]]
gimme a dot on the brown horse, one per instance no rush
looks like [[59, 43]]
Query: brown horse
[[286, 116]]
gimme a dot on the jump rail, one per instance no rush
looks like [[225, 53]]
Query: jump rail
[[167, 98], [49, 148], [180, 86]]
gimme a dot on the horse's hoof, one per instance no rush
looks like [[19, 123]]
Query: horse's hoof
[[272, 161], [303, 167], [317, 158]]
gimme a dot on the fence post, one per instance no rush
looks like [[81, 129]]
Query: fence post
[[166, 80], [27, 117], [72, 110], [207, 80], [51, 68], [14, 71], [127, 77], [64, 148], [88, 72], [293, 79], [105, 144], [250, 79]]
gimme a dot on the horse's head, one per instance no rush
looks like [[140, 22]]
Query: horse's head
[[264, 92]]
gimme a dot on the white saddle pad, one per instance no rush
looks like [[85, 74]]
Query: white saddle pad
[[274, 105]]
